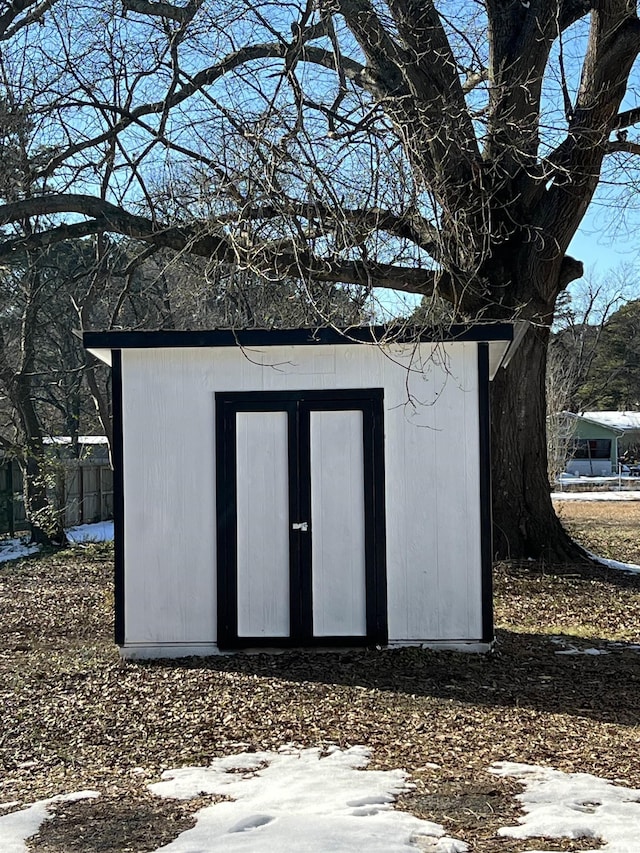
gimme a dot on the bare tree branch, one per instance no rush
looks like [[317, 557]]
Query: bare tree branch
[[10, 21], [197, 83], [199, 240], [474, 79], [623, 146], [573, 10], [614, 44], [156, 8], [418, 83], [626, 119]]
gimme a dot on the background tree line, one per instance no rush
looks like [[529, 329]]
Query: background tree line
[[606, 359], [594, 350]]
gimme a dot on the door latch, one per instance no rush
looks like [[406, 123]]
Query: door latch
[[300, 525]]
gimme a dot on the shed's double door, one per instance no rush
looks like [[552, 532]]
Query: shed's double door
[[300, 518]]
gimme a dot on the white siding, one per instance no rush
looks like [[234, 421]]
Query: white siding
[[262, 524], [337, 525], [432, 479], [170, 592]]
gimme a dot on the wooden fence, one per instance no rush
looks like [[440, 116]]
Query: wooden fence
[[81, 491]]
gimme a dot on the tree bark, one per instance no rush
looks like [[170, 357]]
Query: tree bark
[[525, 522]]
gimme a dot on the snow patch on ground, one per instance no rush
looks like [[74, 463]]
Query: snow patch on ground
[[574, 805], [298, 799], [14, 549], [102, 531], [572, 650], [609, 648], [626, 495], [614, 564], [301, 799], [16, 827], [619, 646]]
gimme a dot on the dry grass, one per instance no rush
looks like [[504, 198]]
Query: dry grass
[[608, 528], [74, 716]]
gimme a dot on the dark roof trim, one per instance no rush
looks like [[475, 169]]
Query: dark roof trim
[[290, 337]]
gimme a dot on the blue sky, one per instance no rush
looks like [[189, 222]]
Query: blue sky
[[602, 245], [608, 244]]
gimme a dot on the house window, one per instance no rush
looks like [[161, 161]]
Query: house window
[[592, 448]]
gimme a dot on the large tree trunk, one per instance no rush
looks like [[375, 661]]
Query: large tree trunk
[[525, 523]]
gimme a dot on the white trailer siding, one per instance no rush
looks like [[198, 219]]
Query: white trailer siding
[[432, 485]]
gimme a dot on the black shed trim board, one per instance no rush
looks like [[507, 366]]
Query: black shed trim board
[[117, 455], [115, 341], [486, 521]]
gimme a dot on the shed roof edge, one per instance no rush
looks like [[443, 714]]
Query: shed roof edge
[[115, 340]]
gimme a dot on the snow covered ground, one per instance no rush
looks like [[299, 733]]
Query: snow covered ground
[[102, 531], [629, 495], [574, 805], [16, 827], [298, 799], [567, 648], [288, 801], [13, 549], [615, 564]]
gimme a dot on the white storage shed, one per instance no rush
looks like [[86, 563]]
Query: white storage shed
[[301, 488]]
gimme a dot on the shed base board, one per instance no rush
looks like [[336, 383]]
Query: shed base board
[[474, 646], [152, 651]]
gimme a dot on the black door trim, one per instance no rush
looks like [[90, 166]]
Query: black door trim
[[486, 521], [299, 405], [117, 452]]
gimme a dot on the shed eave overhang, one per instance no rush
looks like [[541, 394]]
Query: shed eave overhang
[[499, 336]]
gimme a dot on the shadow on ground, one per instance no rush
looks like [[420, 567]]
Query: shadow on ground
[[524, 670]]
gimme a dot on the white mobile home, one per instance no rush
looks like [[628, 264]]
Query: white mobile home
[[301, 488]]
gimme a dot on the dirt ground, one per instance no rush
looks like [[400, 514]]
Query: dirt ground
[[74, 716]]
